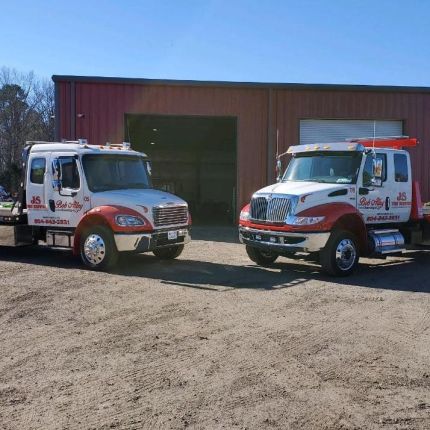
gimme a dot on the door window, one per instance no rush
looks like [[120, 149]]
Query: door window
[[69, 173], [37, 170], [401, 168]]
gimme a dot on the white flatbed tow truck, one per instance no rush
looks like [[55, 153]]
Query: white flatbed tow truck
[[96, 200], [337, 202]]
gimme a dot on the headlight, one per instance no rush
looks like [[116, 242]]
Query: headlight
[[128, 220], [303, 220], [244, 215]]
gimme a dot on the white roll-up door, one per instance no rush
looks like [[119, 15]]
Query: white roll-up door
[[337, 130]]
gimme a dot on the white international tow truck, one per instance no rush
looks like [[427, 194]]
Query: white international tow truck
[[336, 202], [96, 200]]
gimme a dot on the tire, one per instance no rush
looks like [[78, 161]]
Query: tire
[[262, 258], [340, 255], [168, 253], [97, 248]]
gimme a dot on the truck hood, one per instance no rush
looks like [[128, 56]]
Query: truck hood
[[299, 188], [309, 194], [141, 201], [132, 197]]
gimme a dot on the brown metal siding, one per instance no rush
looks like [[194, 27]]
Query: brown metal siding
[[105, 103], [412, 108], [65, 113]]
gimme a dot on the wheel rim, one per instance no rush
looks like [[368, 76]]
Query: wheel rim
[[94, 249], [345, 254]]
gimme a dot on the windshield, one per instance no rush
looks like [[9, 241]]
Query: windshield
[[330, 167], [115, 172]]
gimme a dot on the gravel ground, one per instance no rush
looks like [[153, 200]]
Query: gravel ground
[[211, 341]]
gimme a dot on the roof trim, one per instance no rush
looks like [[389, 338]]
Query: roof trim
[[228, 84]]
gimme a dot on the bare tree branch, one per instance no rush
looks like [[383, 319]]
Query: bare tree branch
[[26, 113]]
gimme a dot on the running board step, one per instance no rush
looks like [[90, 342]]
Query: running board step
[[61, 239], [387, 241]]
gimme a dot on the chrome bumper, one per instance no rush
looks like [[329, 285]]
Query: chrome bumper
[[282, 241], [144, 242]]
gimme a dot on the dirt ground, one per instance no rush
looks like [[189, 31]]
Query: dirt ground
[[211, 341]]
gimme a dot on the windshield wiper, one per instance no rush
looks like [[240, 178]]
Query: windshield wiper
[[323, 181], [137, 185], [107, 187]]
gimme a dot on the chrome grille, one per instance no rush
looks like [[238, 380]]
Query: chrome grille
[[271, 209], [170, 215]]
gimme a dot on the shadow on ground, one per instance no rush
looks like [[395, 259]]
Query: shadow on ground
[[409, 273], [406, 274], [226, 234]]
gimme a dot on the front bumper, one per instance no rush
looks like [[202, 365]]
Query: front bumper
[[283, 241], [144, 242]]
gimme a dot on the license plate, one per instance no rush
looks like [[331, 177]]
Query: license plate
[[172, 235]]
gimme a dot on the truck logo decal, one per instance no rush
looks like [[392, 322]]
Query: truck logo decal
[[377, 203], [382, 218], [303, 198], [74, 206], [145, 209], [401, 204], [52, 221], [402, 197], [36, 203]]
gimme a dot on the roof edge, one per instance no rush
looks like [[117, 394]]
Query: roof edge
[[229, 84]]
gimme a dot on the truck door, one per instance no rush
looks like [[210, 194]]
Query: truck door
[[36, 179], [375, 195], [402, 198], [66, 200]]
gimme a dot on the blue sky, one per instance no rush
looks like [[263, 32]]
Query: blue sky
[[331, 41]]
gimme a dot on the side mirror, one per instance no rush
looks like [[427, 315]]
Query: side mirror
[[278, 170], [56, 170], [377, 171], [56, 175], [149, 168]]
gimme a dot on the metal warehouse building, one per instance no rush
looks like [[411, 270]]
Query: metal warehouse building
[[214, 143]]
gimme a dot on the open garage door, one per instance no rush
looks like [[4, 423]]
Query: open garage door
[[337, 130], [193, 157]]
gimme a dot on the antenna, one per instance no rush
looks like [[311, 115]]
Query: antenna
[[278, 158], [128, 128], [374, 137], [278, 165]]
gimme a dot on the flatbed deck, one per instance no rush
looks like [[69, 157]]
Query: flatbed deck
[[426, 210], [9, 214]]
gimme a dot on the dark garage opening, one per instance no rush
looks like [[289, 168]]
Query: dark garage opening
[[193, 157]]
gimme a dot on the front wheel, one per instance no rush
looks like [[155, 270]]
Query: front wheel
[[340, 255], [97, 248], [262, 258], [169, 253]]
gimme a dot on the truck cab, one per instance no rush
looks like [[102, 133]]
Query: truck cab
[[336, 202], [97, 200]]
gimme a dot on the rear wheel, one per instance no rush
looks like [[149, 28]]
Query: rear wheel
[[97, 248], [262, 258], [169, 253], [340, 255]]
